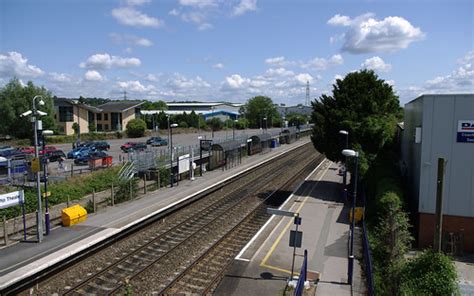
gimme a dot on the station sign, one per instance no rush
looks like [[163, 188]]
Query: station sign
[[205, 145], [183, 163], [465, 131], [11, 199]]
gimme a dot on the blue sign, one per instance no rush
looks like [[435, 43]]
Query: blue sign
[[465, 131]]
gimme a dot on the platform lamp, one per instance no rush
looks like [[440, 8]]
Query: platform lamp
[[346, 146], [37, 126], [352, 153], [45, 177], [171, 126], [233, 128]]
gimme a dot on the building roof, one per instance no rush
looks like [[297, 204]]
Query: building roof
[[77, 103], [201, 104], [119, 106]]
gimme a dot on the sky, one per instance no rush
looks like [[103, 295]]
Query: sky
[[232, 50]]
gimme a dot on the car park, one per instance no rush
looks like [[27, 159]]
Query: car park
[[55, 155], [157, 141], [84, 159]]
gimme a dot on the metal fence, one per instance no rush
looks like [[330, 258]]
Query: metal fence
[[369, 274]]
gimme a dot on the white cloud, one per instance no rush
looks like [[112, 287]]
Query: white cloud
[[136, 2], [218, 66], [460, 80], [60, 77], [93, 75], [376, 63], [129, 16], [130, 40], [323, 64], [198, 3], [174, 12], [276, 61], [179, 82], [235, 81], [339, 20], [198, 18], [14, 64], [279, 72], [105, 61], [135, 86], [302, 78], [151, 77], [368, 34], [245, 6]]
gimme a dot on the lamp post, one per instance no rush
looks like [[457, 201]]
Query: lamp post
[[352, 153], [233, 129], [170, 127], [34, 119], [212, 122], [45, 176], [346, 146]]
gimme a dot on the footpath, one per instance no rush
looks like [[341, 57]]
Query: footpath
[[264, 265]]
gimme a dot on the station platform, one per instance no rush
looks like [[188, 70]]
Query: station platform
[[263, 267], [20, 260]]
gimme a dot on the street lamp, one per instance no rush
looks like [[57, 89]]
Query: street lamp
[[37, 126], [170, 127], [346, 146], [265, 119], [352, 153], [233, 129], [45, 176]]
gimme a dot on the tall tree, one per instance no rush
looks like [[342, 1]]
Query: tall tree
[[259, 111], [15, 99], [158, 105], [361, 104]]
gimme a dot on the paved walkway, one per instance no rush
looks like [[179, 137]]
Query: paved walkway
[[265, 266]]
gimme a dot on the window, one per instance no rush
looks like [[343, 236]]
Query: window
[[106, 116], [99, 116], [99, 127], [106, 127], [65, 114]]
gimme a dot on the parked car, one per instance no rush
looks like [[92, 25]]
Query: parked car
[[55, 155], [27, 150], [101, 145], [78, 152], [47, 149], [157, 141], [133, 146], [84, 159]]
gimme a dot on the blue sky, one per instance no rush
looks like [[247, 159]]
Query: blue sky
[[232, 50]]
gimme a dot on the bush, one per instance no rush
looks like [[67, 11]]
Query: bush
[[75, 188], [136, 128], [183, 124], [429, 273], [92, 127]]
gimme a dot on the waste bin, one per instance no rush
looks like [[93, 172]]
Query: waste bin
[[73, 215], [107, 161], [95, 163]]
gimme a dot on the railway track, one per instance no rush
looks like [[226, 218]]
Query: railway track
[[173, 247], [204, 273]]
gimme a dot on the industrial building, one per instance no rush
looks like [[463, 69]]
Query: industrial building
[[207, 110], [441, 126]]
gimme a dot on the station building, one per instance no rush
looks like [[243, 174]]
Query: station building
[[441, 126]]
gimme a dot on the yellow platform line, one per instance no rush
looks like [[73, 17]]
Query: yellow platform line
[[280, 236]]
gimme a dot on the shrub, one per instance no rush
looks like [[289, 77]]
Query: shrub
[[74, 188], [136, 128], [92, 127], [75, 128], [429, 273], [183, 124]]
